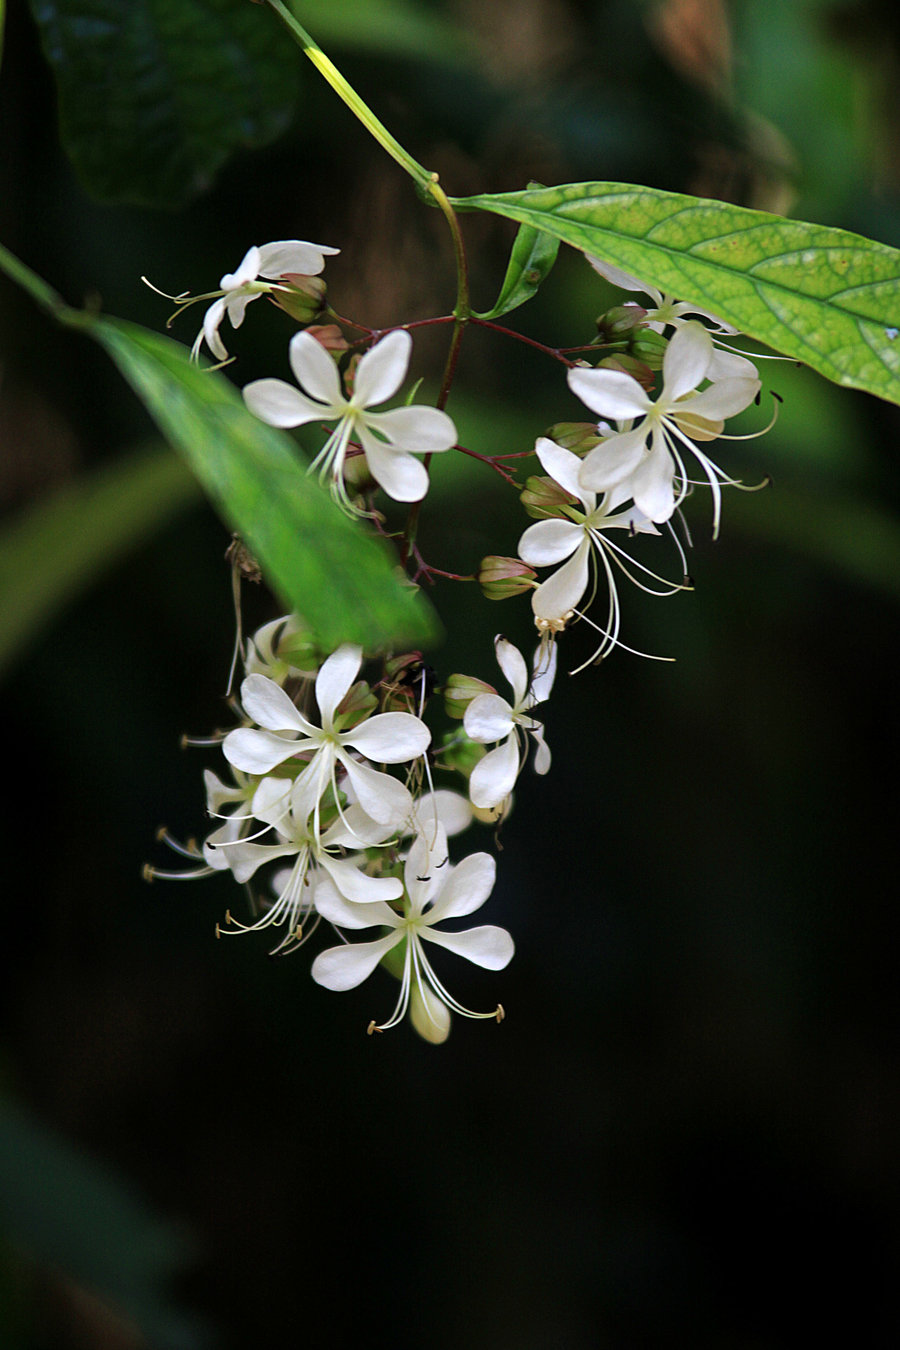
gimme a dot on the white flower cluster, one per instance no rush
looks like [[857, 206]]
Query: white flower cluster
[[331, 778], [366, 848]]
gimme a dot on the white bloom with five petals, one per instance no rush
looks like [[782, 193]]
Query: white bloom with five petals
[[645, 461], [575, 543], [490, 718], [285, 257], [434, 891], [284, 732], [389, 439], [665, 311]]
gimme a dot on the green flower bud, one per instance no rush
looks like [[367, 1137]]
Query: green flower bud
[[358, 703], [458, 752], [620, 322], [649, 347], [543, 498], [579, 437], [630, 365], [304, 300], [502, 577], [459, 692]]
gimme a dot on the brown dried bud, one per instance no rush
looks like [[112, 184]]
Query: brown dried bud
[[630, 365]]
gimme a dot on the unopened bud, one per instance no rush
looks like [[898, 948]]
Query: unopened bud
[[579, 437], [329, 336], [408, 683], [304, 299], [649, 347], [502, 577], [358, 703], [543, 498], [629, 365], [459, 692], [620, 322], [458, 752]]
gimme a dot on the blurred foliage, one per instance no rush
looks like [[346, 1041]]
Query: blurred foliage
[[696, 1080]]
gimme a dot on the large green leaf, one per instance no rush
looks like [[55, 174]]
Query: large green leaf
[[322, 564], [825, 296], [155, 94], [57, 547]]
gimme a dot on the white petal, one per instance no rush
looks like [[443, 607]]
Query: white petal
[[488, 718], [494, 777], [243, 859], [218, 793], [624, 280], [268, 704], [382, 370], [287, 256], [211, 320], [281, 405], [355, 829], [542, 751], [236, 304], [271, 800], [686, 361], [383, 798], [490, 947], [346, 913], [611, 393], [390, 738], [556, 597], [401, 476], [561, 464], [316, 371], [544, 673], [335, 678], [652, 486], [357, 886], [512, 663], [418, 429], [257, 751], [341, 968], [723, 399], [246, 270], [609, 464], [427, 866], [466, 889], [550, 541], [443, 807], [730, 366]]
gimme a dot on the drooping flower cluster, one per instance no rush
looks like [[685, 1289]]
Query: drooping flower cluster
[[364, 847], [329, 811]]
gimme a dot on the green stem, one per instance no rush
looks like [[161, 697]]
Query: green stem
[[329, 70]]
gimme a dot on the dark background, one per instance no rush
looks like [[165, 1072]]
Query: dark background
[[686, 1130]]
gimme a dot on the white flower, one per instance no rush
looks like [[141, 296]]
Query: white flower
[[285, 806], [665, 311], [388, 738], [580, 540], [434, 891], [644, 461], [389, 439], [285, 257], [489, 718]]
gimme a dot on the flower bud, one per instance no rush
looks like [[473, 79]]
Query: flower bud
[[543, 498], [630, 365], [305, 298], [459, 692], [458, 752], [620, 322], [502, 577], [358, 703], [579, 437], [408, 682], [329, 336], [649, 347]]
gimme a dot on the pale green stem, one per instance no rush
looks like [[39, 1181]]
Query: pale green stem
[[352, 99]]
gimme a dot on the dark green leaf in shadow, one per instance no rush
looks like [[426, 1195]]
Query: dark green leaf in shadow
[[154, 95], [59, 546], [393, 27], [68, 1212], [825, 296]]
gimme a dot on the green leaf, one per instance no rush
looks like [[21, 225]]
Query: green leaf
[[825, 296], [59, 546], [323, 565], [154, 95], [533, 254]]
